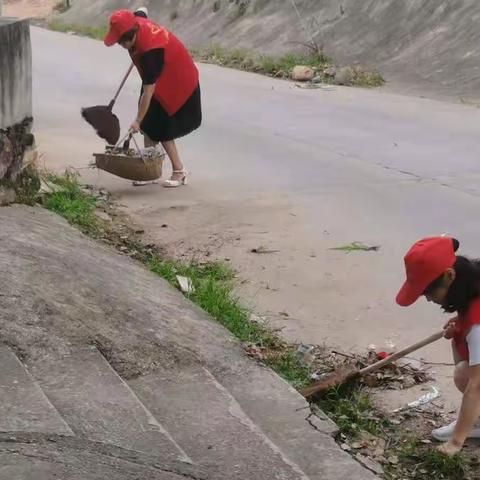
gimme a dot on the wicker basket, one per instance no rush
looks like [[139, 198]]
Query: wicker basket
[[131, 168], [130, 164]]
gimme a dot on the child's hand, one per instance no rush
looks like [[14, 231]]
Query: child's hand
[[449, 448], [449, 328]]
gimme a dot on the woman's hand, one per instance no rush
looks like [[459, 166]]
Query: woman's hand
[[135, 126], [449, 448], [449, 328]]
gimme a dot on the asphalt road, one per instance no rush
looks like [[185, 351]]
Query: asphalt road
[[314, 169]]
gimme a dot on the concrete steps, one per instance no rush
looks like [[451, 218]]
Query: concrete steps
[[47, 457], [97, 404], [212, 427], [24, 406], [284, 417], [180, 418]]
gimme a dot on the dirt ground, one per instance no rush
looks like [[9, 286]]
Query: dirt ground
[[267, 242], [28, 8]]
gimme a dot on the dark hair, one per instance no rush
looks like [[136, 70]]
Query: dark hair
[[128, 36], [465, 288], [140, 13]]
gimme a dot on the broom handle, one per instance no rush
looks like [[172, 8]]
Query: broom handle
[[112, 103], [402, 353]]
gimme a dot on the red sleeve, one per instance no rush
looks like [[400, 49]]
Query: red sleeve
[[473, 313]]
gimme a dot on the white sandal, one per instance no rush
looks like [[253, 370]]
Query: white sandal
[[177, 183], [139, 183]]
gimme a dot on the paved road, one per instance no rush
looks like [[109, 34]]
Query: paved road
[[299, 170]]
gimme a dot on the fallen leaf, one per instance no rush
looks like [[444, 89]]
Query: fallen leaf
[[357, 246]]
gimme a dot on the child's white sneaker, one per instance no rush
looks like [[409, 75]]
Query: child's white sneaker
[[444, 434]]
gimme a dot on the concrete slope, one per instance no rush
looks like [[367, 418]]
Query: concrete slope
[[426, 45], [76, 292]]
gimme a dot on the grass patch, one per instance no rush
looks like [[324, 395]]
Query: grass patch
[[424, 463], [76, 206], [27, 186], [97, 33], [213, 291], [282, 66], [352, 409], [243, 59], [364, 78], [289, 367]]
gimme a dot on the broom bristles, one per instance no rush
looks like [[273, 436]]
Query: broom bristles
[[105, 123], [333, 380]]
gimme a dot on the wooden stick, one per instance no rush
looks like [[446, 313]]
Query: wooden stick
[[112, 103], [402, 353]]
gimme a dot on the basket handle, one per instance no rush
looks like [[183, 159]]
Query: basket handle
[[126, 144], [123, 139], [137, 147]]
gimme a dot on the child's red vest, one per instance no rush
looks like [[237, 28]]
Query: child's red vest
[[464, 323], [179, 77]]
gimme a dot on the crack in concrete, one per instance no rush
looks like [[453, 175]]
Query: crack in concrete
[[308, 419], [82, 445], [432, 180]]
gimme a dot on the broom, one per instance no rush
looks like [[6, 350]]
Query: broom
[[102, 119], [348, 374]]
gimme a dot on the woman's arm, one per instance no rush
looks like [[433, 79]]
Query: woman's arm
[[148, 91], [151, 66]]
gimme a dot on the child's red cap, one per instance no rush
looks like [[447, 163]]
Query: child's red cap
[[424, 263]]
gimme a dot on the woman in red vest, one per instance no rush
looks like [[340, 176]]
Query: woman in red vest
[[170, 105], [453, 282]]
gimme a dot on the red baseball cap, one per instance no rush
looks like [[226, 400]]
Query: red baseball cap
[[121, 22], [424, 263]]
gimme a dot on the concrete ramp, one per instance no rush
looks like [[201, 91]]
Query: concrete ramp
[[127, 377]]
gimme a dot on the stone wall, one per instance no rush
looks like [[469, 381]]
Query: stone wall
[[17, 144], [424, 46], [15, 72]]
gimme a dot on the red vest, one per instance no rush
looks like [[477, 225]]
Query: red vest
[[179, 77], [464, 323]]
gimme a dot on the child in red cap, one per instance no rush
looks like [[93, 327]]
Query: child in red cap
[[453, 282]]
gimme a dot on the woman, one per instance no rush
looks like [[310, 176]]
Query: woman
[[453, 282], [170, 105]]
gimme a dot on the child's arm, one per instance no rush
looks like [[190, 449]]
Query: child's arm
[[470, 408]]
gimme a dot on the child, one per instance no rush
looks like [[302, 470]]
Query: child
[[453, 282]]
